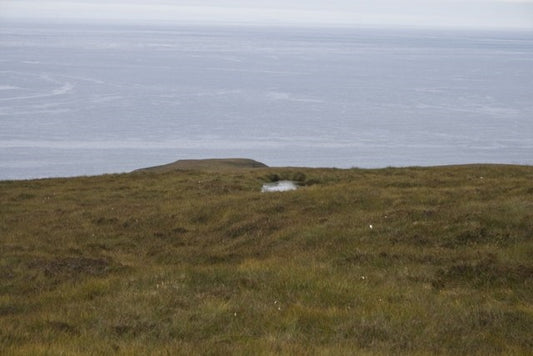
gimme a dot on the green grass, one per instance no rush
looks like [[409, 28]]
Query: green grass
[[202, 262]]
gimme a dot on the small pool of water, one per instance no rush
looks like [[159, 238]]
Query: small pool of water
[[281, 186]]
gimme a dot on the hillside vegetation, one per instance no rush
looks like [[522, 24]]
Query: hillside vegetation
[[206, 164], [390, 261]]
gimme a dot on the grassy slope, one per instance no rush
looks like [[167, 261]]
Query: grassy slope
[[198, 261]]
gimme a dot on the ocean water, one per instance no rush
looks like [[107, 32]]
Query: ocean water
[[87, 99]]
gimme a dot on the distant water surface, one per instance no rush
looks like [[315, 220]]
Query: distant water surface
[[79, 100]]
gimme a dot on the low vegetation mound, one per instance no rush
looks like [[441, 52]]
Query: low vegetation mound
[[206, 164], [191, 261]]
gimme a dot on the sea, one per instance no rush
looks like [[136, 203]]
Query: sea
[[87, 99]]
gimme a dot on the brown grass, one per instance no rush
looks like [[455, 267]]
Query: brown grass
[[202, 262]]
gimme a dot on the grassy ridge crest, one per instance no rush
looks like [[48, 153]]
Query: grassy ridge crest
[[206, 164]]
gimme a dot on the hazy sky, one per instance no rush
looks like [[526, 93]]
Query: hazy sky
[[438, 13]]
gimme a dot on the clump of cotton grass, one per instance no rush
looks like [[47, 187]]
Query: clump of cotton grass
[[277, 304]]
